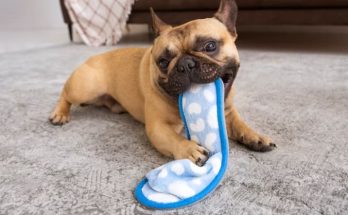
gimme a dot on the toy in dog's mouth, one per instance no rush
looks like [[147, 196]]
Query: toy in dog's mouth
[[210, 72], [178, 82]]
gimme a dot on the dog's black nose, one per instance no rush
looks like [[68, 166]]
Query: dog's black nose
[[186, 64]]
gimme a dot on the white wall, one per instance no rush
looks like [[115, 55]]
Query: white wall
[[31, 24], [30, 14]]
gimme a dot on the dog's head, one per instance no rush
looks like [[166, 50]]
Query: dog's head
[[199, 51]]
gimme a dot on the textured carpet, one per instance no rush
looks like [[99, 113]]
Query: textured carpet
[[92, 164]]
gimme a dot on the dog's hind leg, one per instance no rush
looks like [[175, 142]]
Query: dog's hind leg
[[84, 85], [111, 103], [60, 115]]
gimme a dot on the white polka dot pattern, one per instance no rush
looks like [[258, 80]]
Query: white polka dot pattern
[[163, 173], [210, 141], [181, 189], [212, 117], [177, 168], [208, 95], [197, 126], [181, 179], [194, 108]]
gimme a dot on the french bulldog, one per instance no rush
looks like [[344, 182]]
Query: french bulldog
[[146, 82]]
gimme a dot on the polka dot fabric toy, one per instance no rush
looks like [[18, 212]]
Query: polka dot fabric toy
[[181, 182]]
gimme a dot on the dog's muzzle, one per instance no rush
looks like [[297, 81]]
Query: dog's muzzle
[[189, 70]]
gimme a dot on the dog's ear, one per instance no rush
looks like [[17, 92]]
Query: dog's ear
[[158, 25], [227, 14]]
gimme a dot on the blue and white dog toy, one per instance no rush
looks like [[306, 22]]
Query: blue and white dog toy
[[181, 182]]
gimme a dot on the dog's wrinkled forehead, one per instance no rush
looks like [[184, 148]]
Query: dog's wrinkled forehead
[[187, 37]]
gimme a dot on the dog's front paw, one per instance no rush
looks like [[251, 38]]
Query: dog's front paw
[[59, 117], [192, 151], [257, 142]]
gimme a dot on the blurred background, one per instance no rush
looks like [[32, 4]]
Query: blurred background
[[299, 25], [27, 24]]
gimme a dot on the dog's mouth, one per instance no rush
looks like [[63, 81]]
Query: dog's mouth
[[177, 83], [227, 79], [229, 72], [210, 72]]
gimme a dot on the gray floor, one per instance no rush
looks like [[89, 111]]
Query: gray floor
[[92, 165]]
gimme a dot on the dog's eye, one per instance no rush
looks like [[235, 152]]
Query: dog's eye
[[163, 63], [210, 46]]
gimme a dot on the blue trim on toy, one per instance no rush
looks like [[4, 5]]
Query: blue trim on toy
[[224, 150]]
